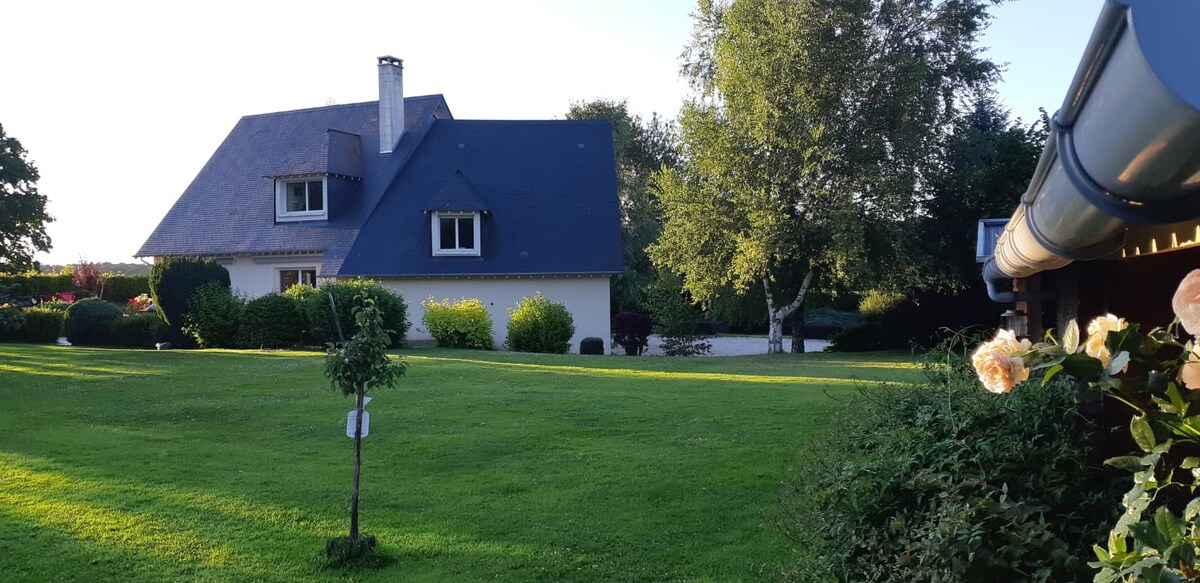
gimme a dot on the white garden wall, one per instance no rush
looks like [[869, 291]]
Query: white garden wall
[[585, 297]]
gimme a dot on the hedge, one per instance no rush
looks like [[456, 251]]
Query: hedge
[[319, 317], [464, 323], [37, 284], [88, 321], [271, 321], [119, 287]]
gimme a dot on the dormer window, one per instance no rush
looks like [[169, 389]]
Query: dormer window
[[301, 199], [456, 233]]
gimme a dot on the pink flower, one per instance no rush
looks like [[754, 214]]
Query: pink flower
[[1098, 331], [1190, 373], [1187, 302], [996, 362]]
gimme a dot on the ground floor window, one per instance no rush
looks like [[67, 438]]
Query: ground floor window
[[290, 277]]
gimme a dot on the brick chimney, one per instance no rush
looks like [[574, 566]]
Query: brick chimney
[[391, 103]]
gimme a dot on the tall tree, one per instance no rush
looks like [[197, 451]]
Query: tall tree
[[23, 215], [811, 123], [641, 148]]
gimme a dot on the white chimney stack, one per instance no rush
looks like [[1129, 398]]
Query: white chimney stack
[[391, 103]]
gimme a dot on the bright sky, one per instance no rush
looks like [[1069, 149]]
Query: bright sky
[[120, 104]]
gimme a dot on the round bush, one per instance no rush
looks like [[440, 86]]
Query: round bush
[[271, 321], [213, 316], [136, 331], [43, 326], [87, 321], [540, 325], [319, 316], [632, 331], [176, 279], [591, 345], [461, 324]]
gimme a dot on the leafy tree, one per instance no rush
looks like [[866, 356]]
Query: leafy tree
[[175, 279], [641, 148], [23, 215], [355, 367], [811, 123]]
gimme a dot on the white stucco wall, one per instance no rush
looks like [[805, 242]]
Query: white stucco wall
[[256, 276], [585, 297]]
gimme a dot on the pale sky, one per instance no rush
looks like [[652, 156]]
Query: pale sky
[[120, 104]]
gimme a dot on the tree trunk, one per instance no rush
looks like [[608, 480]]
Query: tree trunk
[[798, 330], [775, 316], [775, 335], [357, 467]]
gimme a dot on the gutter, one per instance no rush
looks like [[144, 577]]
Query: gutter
[[1123, 149]]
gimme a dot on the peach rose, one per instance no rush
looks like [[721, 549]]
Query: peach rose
[[1190, 373], [1187, 302], [996, 363], [1098, 331]]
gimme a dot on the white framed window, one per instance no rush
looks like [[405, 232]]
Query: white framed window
[[300, 200], [288, 277], [456, 233]]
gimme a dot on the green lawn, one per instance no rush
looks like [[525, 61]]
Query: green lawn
[[217, 465]]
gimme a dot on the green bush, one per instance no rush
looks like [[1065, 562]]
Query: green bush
[[271, 321], [301, 292], [213, 316], [944, 482], [87, 321], [175, 279], [118, 287], [56, 305], [537, 324], [136, 331], [858, 338], [460, 324], [37, 284], [591, 345], [12, 325], [876, 303], [44, 326], [319, 317]]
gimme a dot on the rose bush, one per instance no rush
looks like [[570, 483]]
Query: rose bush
[[1157, 537]]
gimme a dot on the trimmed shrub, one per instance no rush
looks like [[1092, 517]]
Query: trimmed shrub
[[301, 292], [632, 332], [213, 316], [591, 345], [175, 279], [537, 324], [44, 326], [460, 324], [136, 331], [271, 321], [37, 284], [320, 318], [944, 482], [858, 338], [88, 321], [12, 325], [119, 288]]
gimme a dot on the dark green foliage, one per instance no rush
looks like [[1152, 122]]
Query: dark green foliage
[[918, 321], [301, 292], [175, 279], [271, 321], [591, 345], [120, 288], [863, 337], [23, 215], [945, 482], [136, 331], [676, 317], [43, 326], [537, 324], [213, 316], [320, 320], [12, 325], [88, 321], [36, 284], [57, 306], [459, 324], [630, 330]]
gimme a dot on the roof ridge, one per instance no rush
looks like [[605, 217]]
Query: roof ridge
[[337, 106]]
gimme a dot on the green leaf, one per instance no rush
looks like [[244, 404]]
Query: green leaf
[[1190, 462], [1051, 373], [1083, 367], [1131, 463], [1143, 434], [1118, 363], [1070, 340], [1192, 510]]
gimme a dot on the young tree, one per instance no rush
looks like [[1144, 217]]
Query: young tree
[[23, 215], [641, 148], [810, 126], [355, 367]]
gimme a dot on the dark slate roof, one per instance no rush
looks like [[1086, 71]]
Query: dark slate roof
[[455, 195], [550, 188]]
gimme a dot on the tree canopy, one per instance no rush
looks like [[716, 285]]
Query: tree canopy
[[23, 215], [810, 126]]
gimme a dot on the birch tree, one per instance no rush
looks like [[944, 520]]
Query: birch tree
[[808, 128]]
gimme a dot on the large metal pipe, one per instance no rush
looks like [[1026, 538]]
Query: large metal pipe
[[1125, 146]]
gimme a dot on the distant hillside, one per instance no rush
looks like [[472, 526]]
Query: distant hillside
[[105, 267]]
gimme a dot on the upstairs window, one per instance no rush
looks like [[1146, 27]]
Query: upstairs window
[[298, 200], [456, 233]]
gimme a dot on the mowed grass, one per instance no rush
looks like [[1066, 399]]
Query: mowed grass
[[120, 465]]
